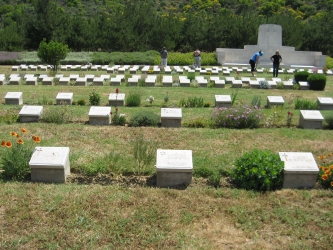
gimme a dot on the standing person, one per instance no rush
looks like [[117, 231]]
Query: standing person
[[197, 58], [164, 57], [255, 60], [276, 59]]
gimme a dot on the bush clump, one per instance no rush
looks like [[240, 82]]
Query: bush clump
[[133, 99], [94, 98], [259, 170], [239, 117], [301, 76], [317, 81], [329, 121], [144, 118]]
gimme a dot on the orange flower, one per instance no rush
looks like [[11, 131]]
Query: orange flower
[[20, 141], [36, 139], [8, 144], [332, 183], [13, 133], [24, 130], [328, 172], [3, 144], [329, 155], [324, 177], [320, 167], [17, 135], [331, 167]]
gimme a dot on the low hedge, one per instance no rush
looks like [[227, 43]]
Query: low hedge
[[317, 81], [301, 76]]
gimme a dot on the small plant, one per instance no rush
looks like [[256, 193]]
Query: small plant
[[141, 82], [329, 121], [234, 98], [94, 98], [191, 76], [44, 101], [207, 104], [166, 98], [9, 116], [259, 170], [305, 104], [58, 115], [275, 116], [16, 154], [144, 118], [150, 100], [237, 77], [317, 81], [256, 101], [325, 176], [264, 85], [199, 122], [118, 119], [144, 152], [240, 117], [81, 102], [289, 118], [279, 85], [194, 83], [133, 99], [101, 165], [191, 102]]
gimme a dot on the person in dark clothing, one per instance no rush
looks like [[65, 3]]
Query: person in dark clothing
[[276, 59]]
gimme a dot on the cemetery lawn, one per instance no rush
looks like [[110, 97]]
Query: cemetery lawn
[[118, 209]]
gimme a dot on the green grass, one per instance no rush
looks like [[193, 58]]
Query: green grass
[[110, 211]]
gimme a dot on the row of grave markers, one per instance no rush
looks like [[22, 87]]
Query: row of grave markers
[[173, 167]]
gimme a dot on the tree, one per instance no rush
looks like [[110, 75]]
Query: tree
[[52, 53]]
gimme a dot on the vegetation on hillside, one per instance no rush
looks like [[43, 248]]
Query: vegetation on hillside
[[123, 25]]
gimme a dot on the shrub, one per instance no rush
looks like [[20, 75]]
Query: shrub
[[325, 176], [103, 165], [264, 85], [16, 154], [279, 85], [199, 122], [317, 81], [133, 99], [144, 118], [118, 119], [81, 102], [94, 98], [305, 104], [144, 152], [191, 102], [256, 101], [44, 101], [239, 117], [191, 76], [329, 121], [259, 170], [329, 62], [301, 76], [58, 115]]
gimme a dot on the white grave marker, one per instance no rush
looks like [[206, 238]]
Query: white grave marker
[[14, 98], [312, 119], [30, 113], [171, 117], [99, 115]]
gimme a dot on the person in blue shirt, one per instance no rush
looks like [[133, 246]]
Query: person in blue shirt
[[255, 60]]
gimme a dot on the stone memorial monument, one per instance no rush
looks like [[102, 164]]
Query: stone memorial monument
[[270, 40]]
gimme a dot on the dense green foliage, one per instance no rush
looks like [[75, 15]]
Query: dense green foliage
[[143, 25], [94, 98], [317, 81], [259, 170], [301, 76], [304, 104], [144, 118]]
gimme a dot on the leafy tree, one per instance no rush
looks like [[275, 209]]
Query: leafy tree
[[52, 53]]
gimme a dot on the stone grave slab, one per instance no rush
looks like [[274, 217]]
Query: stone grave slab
[[174, 167], [272, 84], [311, 119], [237, 84], [81, 81], [31, 80], [303, 85], [229, 79], [98, 81], [133, 81], [171, 117], [64, 80], [99, 115], [246, 79], [325, 103], [15, 68], [50, 164], [115, 81], [30, 113], [15, 80], [14, 98], [274, 101], [117, 99], [254, 84], [219, 83], [64, 98], [300, 169], [47, 81], [288, 85], [223, 101], [90, 78]]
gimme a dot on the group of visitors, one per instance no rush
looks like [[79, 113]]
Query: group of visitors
[[196, 55], [276, 59]]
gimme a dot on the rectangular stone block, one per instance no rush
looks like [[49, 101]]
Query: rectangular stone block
[[30, 113], [300, 169], [31, 81], [117, 99], [47, 81], [64, 98], [99, 115], [223, 101], [171, 117], [311, 119], [325, 103], [174, 168], [274, 101], [14, 98], [50, 164]]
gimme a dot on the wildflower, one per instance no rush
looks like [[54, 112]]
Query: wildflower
[[8, 144], [117, 90], [18, 136], [24, 130], [3, 144], [20, 141], [331, 167], [13, 133], [324, 177], [332, 183], [36, 139], [329, 155], [111, 113], [116, 110]]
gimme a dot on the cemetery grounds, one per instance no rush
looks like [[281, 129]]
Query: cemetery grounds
[[123, 210]]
